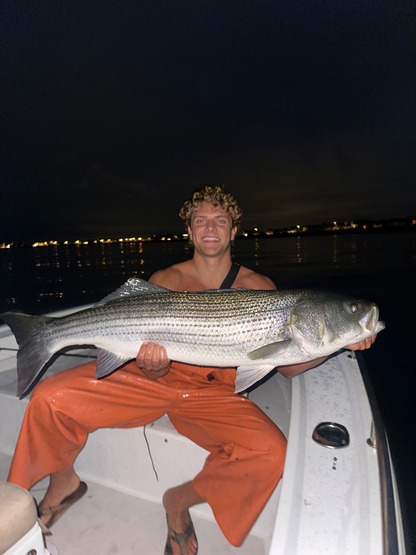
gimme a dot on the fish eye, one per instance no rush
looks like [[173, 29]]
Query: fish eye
[[354, 308]]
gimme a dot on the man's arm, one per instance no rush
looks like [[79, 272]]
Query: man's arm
[[247, 279], [294, 369]]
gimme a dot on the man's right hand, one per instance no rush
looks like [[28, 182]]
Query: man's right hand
[[153, 360]]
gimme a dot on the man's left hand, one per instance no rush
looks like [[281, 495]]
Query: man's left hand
[[362, 345]]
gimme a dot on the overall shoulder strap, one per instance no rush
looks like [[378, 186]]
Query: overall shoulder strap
[[230, 277]]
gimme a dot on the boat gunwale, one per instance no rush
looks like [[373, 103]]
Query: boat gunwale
[[391, 529]]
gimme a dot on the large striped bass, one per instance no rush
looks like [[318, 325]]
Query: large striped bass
[[254, 331]]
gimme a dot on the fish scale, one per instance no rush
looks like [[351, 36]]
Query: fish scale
[[254, 331], [212, 319]]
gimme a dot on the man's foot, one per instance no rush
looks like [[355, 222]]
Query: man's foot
[[181, 533], [186, 541], [64, 489], [52, 514]]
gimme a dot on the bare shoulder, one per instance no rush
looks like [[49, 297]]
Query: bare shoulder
[[247, 279], [171, 277]]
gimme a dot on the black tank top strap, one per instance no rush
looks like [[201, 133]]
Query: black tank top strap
[[230, 277]]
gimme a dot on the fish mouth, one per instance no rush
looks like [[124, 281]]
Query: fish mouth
[[370, 323]]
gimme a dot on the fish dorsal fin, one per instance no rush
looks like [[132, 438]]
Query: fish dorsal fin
[[270, 351], [132, 288], [108, 362]]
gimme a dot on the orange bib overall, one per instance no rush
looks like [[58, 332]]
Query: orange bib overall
[[246, 448]]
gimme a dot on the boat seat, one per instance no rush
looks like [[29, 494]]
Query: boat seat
[[20, 533]]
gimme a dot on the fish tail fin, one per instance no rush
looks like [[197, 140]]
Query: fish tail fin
[[34, 350]]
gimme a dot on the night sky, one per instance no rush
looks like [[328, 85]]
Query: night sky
[[114, 112]]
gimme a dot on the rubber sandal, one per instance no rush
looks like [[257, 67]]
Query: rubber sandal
[[180, 539], [58, 510]]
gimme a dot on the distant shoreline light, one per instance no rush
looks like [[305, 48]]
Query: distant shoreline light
[[396, 224]]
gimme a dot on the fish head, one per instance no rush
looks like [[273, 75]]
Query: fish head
[[324, 323]]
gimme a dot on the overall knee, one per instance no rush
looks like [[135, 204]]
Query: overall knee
[[42, 390], [46, 396]]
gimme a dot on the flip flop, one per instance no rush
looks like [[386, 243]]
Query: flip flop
[[180, 539], [58, 510]]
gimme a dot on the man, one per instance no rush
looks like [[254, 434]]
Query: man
[[246, 448]]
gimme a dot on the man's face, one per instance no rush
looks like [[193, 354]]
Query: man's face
[[211, 230]]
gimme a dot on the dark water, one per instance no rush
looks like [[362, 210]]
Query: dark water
[[379, 267]]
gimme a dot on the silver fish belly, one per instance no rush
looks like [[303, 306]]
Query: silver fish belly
[[254, 331]]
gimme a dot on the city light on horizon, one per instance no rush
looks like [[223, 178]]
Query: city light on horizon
[[334, 226]]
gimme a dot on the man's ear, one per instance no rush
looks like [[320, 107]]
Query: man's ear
[[190, 233], [233, 233]]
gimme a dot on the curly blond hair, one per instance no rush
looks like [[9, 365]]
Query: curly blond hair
[[215, 196]]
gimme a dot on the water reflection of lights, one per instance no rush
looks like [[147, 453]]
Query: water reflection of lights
[[298, 251], [335, 251]]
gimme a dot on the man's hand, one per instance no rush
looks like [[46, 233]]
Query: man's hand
[[153, 360], [362, 345]]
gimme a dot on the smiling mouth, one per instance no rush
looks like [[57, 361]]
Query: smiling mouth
[[206, 239]]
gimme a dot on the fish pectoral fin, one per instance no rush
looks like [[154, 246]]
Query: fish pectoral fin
[[107, 362], [271, 350], [249, 375]]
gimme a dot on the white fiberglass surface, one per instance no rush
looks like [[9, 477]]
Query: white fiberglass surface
[[330, 502]]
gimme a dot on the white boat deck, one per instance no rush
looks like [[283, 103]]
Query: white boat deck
[[108, 522], [328, 501]]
